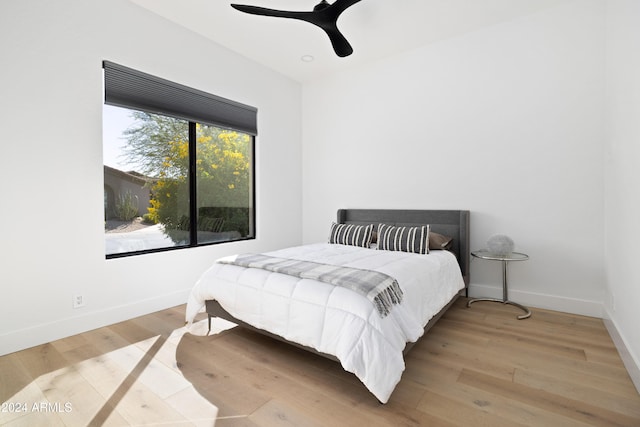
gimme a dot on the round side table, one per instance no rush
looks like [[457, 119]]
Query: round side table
[[513, 256]]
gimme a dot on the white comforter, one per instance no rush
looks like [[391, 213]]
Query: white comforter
[[332, 319]]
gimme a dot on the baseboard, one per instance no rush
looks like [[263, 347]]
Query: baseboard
[[549, 302], [631, 363], [51, 331]]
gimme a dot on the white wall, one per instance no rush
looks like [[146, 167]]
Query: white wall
[[507, 121], [622, 163], [51, 219]]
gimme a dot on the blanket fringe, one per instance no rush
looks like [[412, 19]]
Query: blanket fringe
[[388, 297]]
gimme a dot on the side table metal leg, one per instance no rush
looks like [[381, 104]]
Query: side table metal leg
[[505, 296], [471, 301], [522, 307]]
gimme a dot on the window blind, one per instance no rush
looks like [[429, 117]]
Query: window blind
[[125, 87]]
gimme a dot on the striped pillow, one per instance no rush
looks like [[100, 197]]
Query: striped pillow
[[350, 234], [405, 239]]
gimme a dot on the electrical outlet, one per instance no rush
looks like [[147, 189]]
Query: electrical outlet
[[78, 301]]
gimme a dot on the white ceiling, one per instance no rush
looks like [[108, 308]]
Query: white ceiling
[[375, 28]]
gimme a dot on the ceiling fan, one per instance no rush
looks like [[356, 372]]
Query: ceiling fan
[[324, 15]]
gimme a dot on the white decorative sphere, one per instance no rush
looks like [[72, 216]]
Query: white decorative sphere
[[500, 244]]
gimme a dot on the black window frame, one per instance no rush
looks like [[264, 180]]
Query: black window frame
[[128, 88]]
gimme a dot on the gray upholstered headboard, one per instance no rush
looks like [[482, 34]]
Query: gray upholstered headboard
[[453, 223]]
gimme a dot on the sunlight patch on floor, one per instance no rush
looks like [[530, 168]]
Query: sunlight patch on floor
[[137, 384]]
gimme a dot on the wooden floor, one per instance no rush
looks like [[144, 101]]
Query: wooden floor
[[478, 366]]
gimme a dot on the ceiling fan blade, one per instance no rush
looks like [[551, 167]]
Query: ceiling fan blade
[[340, 44], [256, 10], [341, 5]]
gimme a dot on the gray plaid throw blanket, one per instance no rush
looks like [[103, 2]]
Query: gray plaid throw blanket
[[382, 290]]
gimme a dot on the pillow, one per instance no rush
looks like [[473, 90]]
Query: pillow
[[405, 239], [350, 234], [439, 241]]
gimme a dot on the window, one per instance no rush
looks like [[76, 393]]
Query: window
[[178, 165]]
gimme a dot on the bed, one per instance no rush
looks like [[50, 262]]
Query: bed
[[339, 322]]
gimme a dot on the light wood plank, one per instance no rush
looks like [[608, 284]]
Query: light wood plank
[[580, 388], [462, 415], [547, 401], [279, 413]]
